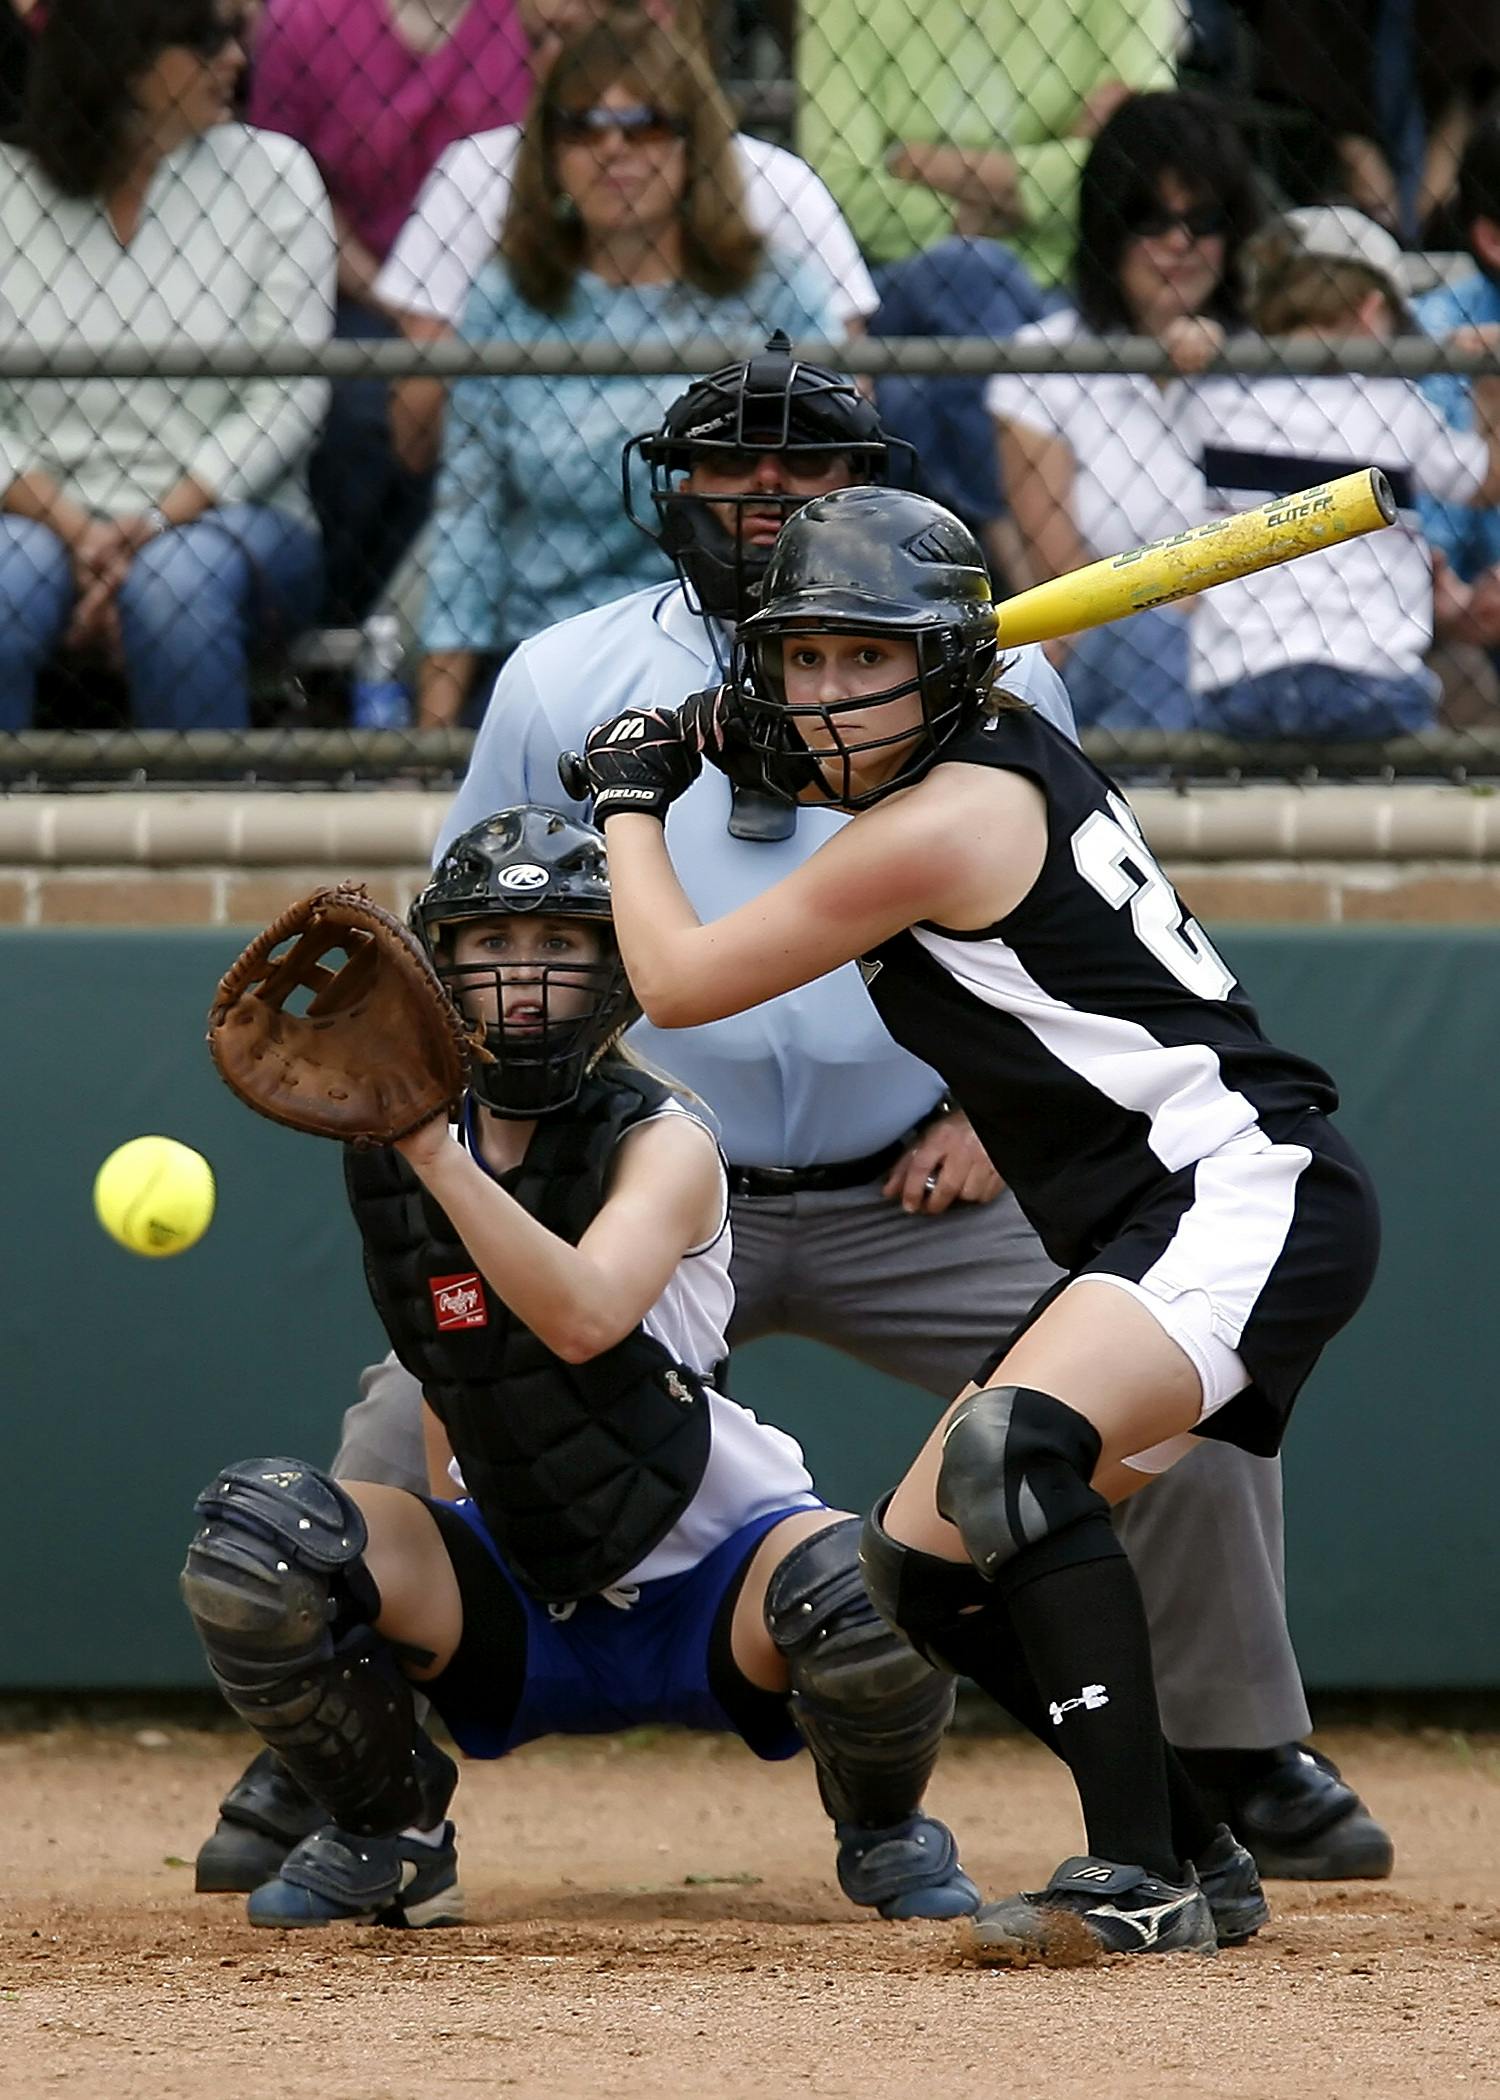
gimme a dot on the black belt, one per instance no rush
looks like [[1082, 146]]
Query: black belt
[[797, 1181]]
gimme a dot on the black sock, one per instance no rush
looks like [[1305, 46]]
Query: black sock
[[1078, 1617], [985, 1647], [1231, 1772]]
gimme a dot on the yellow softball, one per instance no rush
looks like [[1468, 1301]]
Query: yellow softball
[[154, 1195]]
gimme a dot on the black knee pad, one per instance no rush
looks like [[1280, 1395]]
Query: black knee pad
[[1016, 1470], [283, 1605], [871, 1710]]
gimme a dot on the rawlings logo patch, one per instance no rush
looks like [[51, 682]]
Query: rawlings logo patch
[[458, 1301], [525, 876]]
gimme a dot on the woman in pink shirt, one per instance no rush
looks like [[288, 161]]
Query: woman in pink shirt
[[376, 90]]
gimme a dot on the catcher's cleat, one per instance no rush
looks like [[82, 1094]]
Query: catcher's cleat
[[332, 1878], [1227, 1876], [1299, 1817], [262, 1816], [908, 1871], [1093, 1907]]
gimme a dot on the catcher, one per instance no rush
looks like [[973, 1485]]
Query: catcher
[[613, 1540]]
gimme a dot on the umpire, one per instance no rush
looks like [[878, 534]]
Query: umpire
[[865, 1213]]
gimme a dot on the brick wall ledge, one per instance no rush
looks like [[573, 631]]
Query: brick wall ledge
[[373, 830]]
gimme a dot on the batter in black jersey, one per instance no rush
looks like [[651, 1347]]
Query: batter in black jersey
[[1017, 934]]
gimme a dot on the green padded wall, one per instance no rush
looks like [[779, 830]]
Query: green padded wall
[[124, 1382]]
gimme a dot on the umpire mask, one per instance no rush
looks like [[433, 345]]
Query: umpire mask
[[816, 423]]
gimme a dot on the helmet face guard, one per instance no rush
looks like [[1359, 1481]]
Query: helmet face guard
[[804, 414], [529, 863], [877, 562], [950, 679]]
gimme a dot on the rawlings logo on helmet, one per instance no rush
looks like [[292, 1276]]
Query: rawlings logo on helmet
[[526, 875]]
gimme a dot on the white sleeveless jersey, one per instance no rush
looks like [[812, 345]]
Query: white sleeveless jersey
[[752, 1467]]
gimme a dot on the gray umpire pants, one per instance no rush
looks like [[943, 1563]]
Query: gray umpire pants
[[926, 1299]]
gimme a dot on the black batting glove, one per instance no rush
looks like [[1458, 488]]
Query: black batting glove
[[733, 739], [639, 763]]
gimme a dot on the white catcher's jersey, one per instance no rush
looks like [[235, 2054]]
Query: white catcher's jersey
[[753, 1468]]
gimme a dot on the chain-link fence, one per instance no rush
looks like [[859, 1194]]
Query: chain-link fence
[[324, 325]]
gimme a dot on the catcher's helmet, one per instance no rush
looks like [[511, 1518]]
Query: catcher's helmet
[[770, 403], [530, 861], [868, 561]]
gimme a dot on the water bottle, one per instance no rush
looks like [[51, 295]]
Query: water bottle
[[378, 699]]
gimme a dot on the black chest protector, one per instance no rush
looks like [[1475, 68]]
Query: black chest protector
[[577, 1469]]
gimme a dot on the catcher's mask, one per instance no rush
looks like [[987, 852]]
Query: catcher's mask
[[772, 403], [867, 561], [529, 863]]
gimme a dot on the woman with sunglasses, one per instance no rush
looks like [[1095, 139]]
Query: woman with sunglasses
[[1098, 464], [626, 226], [158, 523]]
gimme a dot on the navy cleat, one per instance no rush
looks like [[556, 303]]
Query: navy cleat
[[910, 1870], [1228, 1878], [262, 1816], [332, 1878], [1090, 1908]]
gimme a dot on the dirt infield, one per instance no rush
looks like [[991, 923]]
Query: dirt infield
[[661, 1919]]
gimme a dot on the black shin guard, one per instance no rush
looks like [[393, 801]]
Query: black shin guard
[[283, 1605], [869, 1708]]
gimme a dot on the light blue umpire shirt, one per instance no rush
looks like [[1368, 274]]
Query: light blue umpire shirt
[[809, 1078]]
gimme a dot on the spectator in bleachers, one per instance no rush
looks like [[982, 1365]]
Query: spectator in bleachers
[[933, 117], [457, 220], [1468, 538], [1375, 99], [1096, 465], [164, 523], [1331, 647], [376, 90], [626, 225]]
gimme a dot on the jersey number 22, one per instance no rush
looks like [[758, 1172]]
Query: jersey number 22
[[1113, 858]]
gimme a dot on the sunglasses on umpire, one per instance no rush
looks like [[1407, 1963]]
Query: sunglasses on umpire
[[640, 124], [1199, 224]]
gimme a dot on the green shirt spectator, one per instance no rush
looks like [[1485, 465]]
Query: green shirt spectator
[[926, 120]]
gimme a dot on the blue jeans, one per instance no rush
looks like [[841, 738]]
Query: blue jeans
[[1316, 700], [1133, 674], [192, 605], [960, 287]]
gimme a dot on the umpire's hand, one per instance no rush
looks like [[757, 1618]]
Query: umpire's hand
[[944, 1164]]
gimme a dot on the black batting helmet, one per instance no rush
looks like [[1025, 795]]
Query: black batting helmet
[[772, 402], [879, 562], [529, 862]]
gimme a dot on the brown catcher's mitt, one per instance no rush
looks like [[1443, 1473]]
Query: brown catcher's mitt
[[377, 1051]]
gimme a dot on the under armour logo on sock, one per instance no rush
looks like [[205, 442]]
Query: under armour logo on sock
[[1092, 1695]]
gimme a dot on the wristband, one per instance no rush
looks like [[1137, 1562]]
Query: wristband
[[630, 801]]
